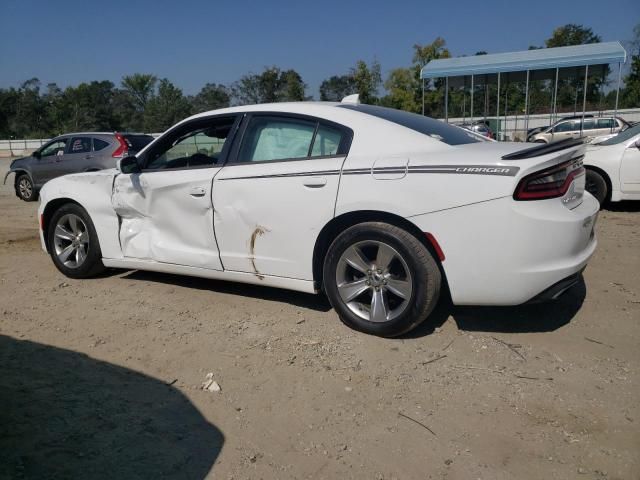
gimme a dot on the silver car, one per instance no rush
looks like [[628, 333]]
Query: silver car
[[72, 153], [574, 128]]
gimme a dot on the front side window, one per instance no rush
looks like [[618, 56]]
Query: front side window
[[197, 146], [566, 127], [54, 148], [79, 145]]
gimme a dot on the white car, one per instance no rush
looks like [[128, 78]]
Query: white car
[[613, 167], [378, 208]]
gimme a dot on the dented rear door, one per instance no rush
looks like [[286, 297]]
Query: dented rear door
[[273, 199]]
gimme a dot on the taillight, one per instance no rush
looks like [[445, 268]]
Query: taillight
[[550, 183], [122, 149]]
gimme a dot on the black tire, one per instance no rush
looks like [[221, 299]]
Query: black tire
[[539, 141], [425, 279], [25, 189], [91, 264], [596, 185]]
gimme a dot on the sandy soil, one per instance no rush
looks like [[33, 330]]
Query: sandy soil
[[102, 378]]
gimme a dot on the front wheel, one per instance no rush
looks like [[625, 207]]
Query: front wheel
[[73, 242], [381, 279]]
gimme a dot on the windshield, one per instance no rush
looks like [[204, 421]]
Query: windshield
[[623, 136], [425, 125]]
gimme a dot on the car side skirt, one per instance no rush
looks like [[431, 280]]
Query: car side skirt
[[296, 284]]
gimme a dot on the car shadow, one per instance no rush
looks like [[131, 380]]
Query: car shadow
[[299, 299], [527, 318], [624, 206], [64, 414]]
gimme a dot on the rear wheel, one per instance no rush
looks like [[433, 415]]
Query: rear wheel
[[25, 189], [381, 279], [73, 242], [596, 185]]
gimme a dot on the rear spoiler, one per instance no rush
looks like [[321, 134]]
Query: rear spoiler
[[544, 149]]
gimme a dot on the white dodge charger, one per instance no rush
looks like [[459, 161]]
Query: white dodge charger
[[378, 208]]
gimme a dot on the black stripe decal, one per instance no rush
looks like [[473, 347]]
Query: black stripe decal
[[450, 169]]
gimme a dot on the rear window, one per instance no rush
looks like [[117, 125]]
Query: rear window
[[99, 144], [137, 142], [425, 125]]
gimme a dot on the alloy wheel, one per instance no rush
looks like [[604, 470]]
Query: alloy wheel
[[71, 240], [25, 188], [374, 281]]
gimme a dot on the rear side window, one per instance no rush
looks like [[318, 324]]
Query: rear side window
[[425, 125], [274, 138], [327, 141], [606, 123], [99, 144], [137, 142], [79, 145], [589, 124]]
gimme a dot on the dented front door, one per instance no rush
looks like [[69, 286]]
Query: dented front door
[[167, 216]]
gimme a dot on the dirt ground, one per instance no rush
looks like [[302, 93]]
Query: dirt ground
[[102, 378]]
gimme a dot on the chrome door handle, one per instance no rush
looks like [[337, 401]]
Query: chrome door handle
[[315, 182], [197, 192]]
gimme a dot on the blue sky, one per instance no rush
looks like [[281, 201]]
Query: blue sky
[[195, 42]]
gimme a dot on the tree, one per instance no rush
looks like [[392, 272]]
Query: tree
[[272, 85], [137, 90], [335, 88], [631, 92], [141, 87], [571, 34], [434, 91], [570, 90], [166, 108], [292, 87], [29, 110], [401, 85], [211, 97], [367, 80]]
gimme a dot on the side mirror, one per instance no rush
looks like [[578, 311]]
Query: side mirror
[[36, 154], [128, 165]]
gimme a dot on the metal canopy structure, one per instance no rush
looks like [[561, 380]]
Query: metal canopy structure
[[544, 63]]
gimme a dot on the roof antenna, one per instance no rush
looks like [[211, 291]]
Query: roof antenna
[[354, 99]]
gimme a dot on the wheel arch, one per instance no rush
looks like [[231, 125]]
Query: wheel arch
[[48, 212], [340, 223]]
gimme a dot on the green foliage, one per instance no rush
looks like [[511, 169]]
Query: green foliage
[[335, 88], [367, 80], [571, 34], [211, 97], [401, 86], [272, 85], [631, 92], [166, 108]]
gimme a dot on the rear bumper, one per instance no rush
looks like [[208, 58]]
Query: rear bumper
[[557, 289], [505, 252]]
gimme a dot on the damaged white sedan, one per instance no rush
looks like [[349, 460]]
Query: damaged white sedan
[[378, 208]]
